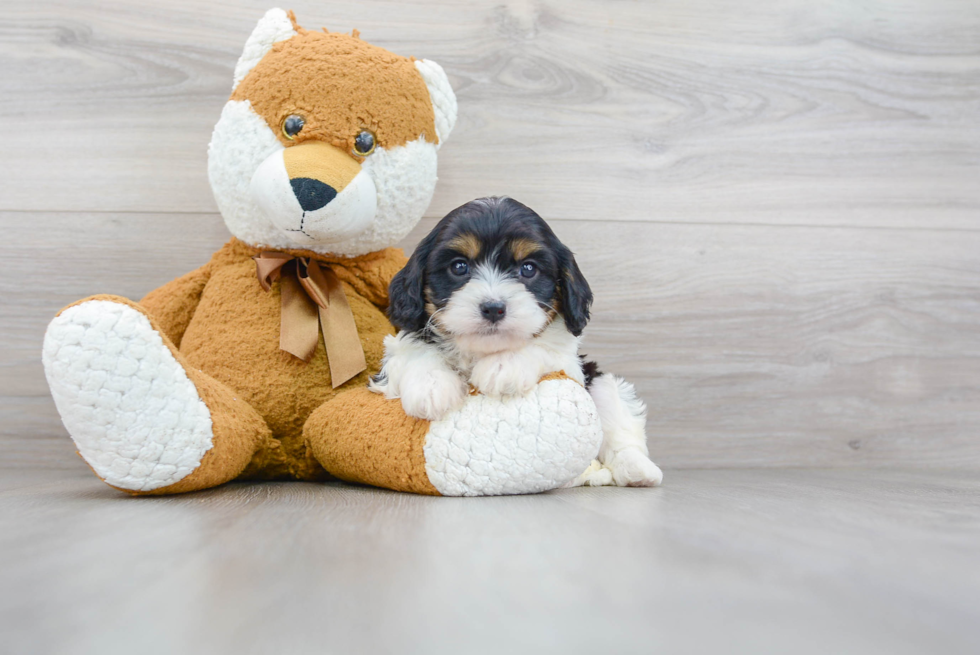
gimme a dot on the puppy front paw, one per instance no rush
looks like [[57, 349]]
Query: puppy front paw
[[504, 374], [631, 468], [431, 395]]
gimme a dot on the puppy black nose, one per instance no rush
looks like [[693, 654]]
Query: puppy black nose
[[312, 194], [493, 311]]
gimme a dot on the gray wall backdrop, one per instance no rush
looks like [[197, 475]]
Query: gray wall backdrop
[[777, 203]]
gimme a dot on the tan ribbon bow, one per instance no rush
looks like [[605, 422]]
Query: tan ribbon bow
[[313, 299]]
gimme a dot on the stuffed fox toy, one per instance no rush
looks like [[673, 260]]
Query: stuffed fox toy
[[255, 365]]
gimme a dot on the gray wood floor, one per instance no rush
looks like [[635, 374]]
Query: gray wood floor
[[734, 561]]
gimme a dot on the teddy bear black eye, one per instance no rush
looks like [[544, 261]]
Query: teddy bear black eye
[[459, 267], [528, 269], [364, 143], [291, 125]]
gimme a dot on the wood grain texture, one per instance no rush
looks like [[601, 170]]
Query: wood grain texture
[[775, 203], [768, 561], [834, 113], [752, 345]]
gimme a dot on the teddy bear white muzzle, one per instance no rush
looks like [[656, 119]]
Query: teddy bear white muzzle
[[315, 194]]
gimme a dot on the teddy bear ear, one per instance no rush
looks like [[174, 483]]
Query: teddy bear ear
[[442, 96], [275, 26]]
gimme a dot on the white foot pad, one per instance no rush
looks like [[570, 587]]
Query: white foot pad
[[516, 445], [135, 416]]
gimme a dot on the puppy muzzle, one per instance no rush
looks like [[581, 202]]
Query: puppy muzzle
[[315, 193], [493, 311]]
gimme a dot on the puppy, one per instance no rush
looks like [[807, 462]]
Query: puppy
[[491, 298]]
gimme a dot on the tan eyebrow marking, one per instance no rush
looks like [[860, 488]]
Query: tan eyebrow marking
[[466, 244], [522, 248]]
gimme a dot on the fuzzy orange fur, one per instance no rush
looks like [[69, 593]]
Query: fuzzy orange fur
[[340, 85]]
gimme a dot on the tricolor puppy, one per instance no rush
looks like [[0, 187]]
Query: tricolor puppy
[[491, 298]]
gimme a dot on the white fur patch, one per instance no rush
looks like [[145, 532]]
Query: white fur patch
[[275, 26], [405, 177], [441, 94], [133, 413], [516, 445], [241, 141], [404, 180], [417, 373], [473, 335], [514, 372], [624, 445]]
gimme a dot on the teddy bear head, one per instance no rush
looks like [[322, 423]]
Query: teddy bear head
[[327, 143]]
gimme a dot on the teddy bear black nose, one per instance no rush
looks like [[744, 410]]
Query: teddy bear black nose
[[493, 310], [312, 194]]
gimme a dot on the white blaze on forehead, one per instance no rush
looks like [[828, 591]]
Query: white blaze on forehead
[[524, 316]]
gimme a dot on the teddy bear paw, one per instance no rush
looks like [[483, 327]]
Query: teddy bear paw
[[135, 416]]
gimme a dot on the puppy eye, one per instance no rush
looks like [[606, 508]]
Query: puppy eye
[[459, 267], [291, 125], [364, 143], [528, 270]]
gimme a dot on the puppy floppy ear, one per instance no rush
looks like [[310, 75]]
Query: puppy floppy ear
[[576, 296], [406, 293]]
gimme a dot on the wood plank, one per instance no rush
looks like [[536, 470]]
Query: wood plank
[[825, 114], [753, 345], [751, 561]]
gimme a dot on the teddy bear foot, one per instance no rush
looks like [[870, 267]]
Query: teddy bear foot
[[135, 416], [516, 444], [487, 447]]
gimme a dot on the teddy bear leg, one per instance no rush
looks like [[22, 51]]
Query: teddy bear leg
[[360, 436], [487, 447], [142, 420]]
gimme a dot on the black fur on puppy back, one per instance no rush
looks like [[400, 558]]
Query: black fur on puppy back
[[590, 369]]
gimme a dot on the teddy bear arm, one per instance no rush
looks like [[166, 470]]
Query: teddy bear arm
[[173, 304]]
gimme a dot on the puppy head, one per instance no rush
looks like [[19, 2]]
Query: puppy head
[[490, 276]]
